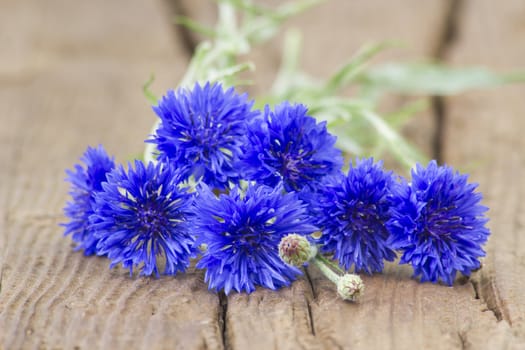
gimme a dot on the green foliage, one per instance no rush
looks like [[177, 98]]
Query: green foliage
[[354, 119], [218, 58], [150, 96], [432, 78]]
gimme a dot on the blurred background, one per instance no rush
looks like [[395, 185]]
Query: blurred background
[[83, 64]]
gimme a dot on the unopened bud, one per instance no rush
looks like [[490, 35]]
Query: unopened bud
[[350, 287], [295, 250]]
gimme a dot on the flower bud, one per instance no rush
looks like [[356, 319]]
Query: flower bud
[[295, 250], [350, 287]]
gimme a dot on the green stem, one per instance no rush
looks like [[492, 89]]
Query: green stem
[[328, 272], [330, 263]]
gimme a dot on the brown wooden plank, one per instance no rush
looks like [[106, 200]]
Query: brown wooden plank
[[272, 319], [65, 89], [399, 312], [483, 134], [71, 76]]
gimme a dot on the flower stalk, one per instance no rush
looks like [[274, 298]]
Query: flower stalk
[[349, 286], [297, 251]]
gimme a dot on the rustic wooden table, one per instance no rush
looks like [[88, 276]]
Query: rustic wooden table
[[70, 76]]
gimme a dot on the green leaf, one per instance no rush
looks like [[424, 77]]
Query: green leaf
[[227, 75], [293, 8], [433, 79], [398, 146], [195, 26], [407, 112], [284, 11], [350, 70], [289, 63], [150, 96], [352, 124], [264, 23]]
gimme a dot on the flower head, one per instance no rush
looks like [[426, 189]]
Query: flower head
[[350, 287], [288, 145], [438, 223], [296, 250], [242, 232], [142, 214], [353, 211], [85, 182], [201, 130]]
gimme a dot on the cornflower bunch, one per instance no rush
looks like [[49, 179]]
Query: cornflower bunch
[[245, 191], [255, 190]]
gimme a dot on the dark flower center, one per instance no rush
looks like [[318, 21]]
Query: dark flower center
[[209, 136], [153, 218], [290, 167], [440, 223], [363, 217], [290, 162], [249, 239]]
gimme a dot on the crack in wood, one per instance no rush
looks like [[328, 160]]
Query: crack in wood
[[448, 36], [487, 291], [311, 284], [439, 111], [182, 33], [310, 317], [308, 302], [475, 287], [205, 344], [449, 32], [463, 340], [223, 310]]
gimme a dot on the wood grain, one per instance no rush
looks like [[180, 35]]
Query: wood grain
[[399, 312], [483, 134], [71, 76]]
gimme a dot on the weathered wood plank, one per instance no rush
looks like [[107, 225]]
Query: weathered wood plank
[[71, 76], [399, 312], [62, 89], [483, 133], [272, 320]]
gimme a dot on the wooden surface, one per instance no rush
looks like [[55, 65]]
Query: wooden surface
[[70, 76]]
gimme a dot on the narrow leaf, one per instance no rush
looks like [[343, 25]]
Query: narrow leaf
[[433, 79], [150, 96], [350, 70]]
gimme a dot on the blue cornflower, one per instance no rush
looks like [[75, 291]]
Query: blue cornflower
[[85, 182], [202, 130], [142, 214], [438, 223], [353, 211], [242, 232], [288, 145]]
